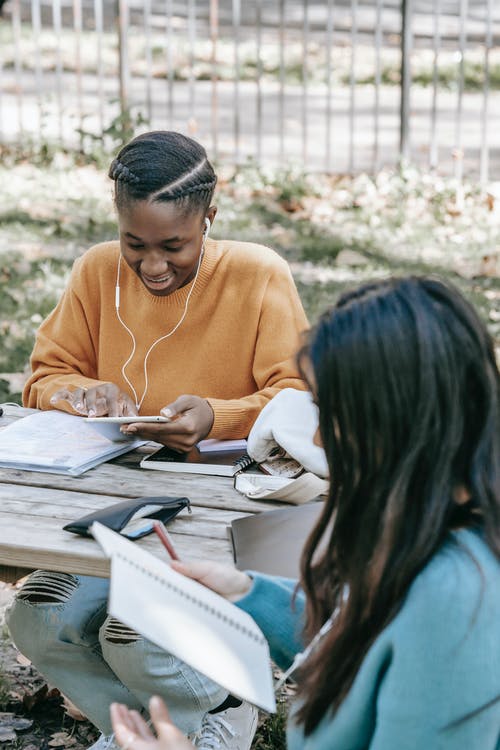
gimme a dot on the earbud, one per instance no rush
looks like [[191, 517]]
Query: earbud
[[207, 226]]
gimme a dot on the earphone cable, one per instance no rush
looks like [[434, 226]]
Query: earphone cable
[[159, 340]]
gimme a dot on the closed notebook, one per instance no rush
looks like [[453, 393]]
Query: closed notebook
[[224, 458], [272, 542], [188, 620]]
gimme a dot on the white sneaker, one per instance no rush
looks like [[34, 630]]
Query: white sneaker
[[232, 729], [105, 743]]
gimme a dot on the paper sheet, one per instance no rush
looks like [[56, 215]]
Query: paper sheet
[[188, 620]]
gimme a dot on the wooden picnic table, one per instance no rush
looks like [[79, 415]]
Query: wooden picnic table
[[34, 506]]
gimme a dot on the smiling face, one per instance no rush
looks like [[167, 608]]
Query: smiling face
[[161, 244]]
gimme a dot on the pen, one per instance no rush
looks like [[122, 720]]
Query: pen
[[160, 529]]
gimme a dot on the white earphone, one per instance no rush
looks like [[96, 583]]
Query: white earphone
[[138, 402]]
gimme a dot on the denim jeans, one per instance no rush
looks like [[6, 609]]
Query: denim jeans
[[59, 622]]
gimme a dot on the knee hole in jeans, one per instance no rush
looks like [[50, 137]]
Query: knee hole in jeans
[[116, 632], [46, 587]]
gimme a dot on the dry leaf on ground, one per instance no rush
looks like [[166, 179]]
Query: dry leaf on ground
[[72, 710], [61, 739]]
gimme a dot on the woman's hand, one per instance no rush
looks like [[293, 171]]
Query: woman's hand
[[191, 421], [102, 400], [230, 583], [132, 732]]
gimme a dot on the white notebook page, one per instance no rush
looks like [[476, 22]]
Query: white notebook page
[[188, 620]]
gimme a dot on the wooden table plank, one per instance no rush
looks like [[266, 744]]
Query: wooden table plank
[[35, 505], [47, 546], [111, 478], [67, 505]]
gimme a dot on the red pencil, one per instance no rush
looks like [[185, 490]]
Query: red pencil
[[160, 529]]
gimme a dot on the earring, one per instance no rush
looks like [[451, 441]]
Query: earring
[[207, 227]]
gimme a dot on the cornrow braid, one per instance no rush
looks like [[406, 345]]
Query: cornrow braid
[[118, 171], [202, 186], [164, 166], [180, 192]]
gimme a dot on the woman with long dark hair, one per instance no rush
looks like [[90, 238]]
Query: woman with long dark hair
[[404, 562]]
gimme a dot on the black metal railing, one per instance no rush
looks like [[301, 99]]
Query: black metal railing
[[341, 85]]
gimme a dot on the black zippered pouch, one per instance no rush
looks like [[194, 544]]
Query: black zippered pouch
[[132, 517]]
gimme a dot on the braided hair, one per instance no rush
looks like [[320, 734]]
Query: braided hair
[[163, 166]]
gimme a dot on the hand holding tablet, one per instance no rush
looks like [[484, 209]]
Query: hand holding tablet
[[179, 425]]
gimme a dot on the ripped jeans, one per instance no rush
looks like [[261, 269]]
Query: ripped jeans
[[59, 621]]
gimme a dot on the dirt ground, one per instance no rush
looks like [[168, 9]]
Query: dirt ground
[[32, 713]]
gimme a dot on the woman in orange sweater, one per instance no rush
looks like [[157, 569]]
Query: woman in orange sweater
[[167, 317], [169, 320]]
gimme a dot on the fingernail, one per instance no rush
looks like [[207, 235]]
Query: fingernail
[[166, 413], [91, 411], [79, 405]]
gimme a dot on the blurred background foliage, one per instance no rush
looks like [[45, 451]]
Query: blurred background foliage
[[335, 232]]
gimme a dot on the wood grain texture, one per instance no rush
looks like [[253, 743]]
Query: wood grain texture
[[34, 507]]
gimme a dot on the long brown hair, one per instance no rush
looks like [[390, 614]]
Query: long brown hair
[[408, 393]]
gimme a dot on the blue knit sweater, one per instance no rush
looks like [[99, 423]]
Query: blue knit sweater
[[436, 663]]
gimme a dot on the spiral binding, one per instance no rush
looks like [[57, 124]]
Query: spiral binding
[[183, 594], [243, 463]]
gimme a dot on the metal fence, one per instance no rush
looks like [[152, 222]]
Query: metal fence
[[340, 85]]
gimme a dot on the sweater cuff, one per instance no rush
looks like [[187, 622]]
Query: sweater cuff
[[231, 420], [257, 587]]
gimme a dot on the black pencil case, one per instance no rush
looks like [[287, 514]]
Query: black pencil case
[[119, 515]]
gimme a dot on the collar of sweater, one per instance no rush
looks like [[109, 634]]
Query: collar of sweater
[[211, 256]]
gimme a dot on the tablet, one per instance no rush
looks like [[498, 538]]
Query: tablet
[[109, 427], [127, 420]]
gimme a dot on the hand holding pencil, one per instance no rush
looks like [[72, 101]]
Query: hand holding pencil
[[230, 583]]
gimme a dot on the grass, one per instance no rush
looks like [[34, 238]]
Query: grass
[[271, 735], [335, 231]]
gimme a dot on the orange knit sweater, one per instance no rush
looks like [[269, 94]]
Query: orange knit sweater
[[235, 346]]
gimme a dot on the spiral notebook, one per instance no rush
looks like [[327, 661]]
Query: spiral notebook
[[220, 458], [188, 620]]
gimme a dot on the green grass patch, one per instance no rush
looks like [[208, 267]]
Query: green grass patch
[[272, 733]]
